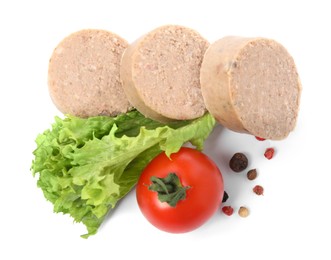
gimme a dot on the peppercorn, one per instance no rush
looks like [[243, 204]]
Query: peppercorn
[[225, 197], [243, 212], [259, 138], [269, 153], [238, 162], [258, 190], [252, 174], [227, 210]]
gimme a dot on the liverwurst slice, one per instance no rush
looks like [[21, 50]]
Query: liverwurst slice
[[84, 74], [251, 85], [160, 73]]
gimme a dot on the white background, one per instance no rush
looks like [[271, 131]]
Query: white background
[[291, 221]]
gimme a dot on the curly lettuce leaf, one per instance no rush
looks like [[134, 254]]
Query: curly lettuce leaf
[[86, 166]]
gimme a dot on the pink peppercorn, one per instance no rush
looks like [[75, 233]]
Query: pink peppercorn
[[227, 210], [259, 138], [269, 153], [258, 190]]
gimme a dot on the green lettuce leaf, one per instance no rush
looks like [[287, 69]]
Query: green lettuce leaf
[[85, 166]]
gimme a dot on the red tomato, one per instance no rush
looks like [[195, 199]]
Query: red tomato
[[204, 191]]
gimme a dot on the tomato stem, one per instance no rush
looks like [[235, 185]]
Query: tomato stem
[[169, 189]]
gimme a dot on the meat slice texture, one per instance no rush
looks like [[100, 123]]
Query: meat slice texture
[[160, 73], [251, 85], [84, 74]]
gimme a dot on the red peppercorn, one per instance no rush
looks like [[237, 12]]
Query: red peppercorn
[[259, 138], [227, 210], [258, 190], [269, 153]]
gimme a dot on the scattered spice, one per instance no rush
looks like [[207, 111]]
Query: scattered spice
[[259, 138], [227, 210], [243, 212], [258, 190], [238, 162], [252, 174], [269, 153], [225, 197]]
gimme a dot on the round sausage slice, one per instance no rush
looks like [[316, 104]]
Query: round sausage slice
[[251, 85], [84, 74], [160, 73]]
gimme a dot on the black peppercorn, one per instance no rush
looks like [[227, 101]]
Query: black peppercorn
[[238, 162], [225, 197]]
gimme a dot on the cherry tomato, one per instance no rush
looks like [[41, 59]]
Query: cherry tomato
[[201, 181]]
